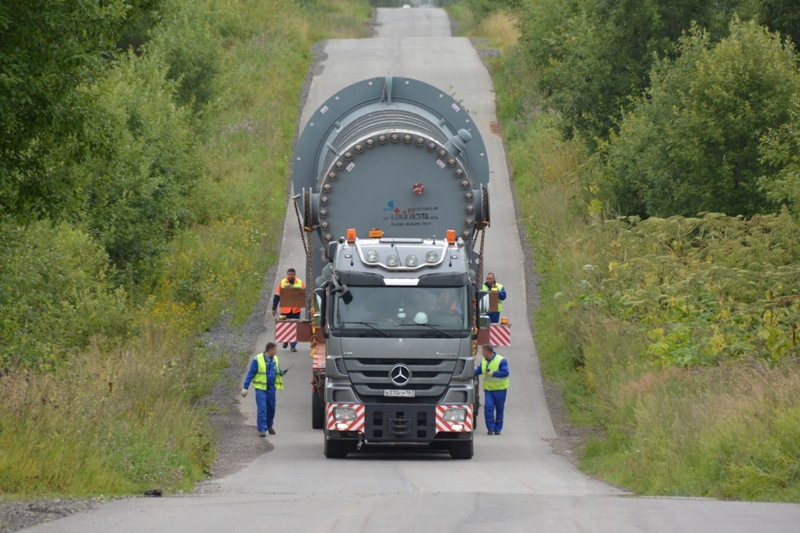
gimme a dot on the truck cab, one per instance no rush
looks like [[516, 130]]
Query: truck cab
[[399, 366]]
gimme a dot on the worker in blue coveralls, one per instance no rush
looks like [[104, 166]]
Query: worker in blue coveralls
[[265, 374], [494, 368]]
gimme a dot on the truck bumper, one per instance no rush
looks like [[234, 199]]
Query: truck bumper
[[401, 423]]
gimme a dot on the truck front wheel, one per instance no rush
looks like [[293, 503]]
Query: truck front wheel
[[336, 449], [317, 411], [461, 449]]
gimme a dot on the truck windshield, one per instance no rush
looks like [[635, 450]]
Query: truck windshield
[[402, 309]]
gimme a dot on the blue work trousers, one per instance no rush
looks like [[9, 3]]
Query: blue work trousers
[[265, 407], [295, 316], [494, 405]]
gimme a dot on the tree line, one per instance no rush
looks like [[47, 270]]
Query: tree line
[[687, 106]]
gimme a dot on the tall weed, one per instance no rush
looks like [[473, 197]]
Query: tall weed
[[113, 420], [726, 432]]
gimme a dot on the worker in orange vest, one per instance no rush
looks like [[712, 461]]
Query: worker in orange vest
[[291, 280]]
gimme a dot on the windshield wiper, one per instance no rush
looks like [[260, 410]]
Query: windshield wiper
[[434, 328], [370, 325]]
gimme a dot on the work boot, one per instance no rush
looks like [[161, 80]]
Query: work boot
[[285, 344], [271, 430]]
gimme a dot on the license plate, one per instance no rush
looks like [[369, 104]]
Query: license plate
[[401, 393]]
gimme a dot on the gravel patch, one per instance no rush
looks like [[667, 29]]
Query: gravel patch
[[19, 515], [236, 447]]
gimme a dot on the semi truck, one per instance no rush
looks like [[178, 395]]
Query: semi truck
[[391, 180]]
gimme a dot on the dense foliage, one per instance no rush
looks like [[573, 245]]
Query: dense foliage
[[49, 51], [95, 139], [591, 56], [143, 171], [55, 294], [691, 143], [684, 91], [673, 329]]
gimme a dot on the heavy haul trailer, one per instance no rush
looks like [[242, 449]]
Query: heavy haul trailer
[[392, 176]]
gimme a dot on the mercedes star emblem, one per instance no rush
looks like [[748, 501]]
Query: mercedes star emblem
[[400, 375]]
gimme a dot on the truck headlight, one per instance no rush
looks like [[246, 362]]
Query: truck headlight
[[455, 415], [344, 414]]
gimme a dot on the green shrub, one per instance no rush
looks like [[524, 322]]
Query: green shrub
[[55, 294], [144, 165], [187, 44], [692, 144], [591, 56], [48, 50], [780, 150]]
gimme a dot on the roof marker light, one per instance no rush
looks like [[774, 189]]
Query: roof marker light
[[351, 235], [451, 236]]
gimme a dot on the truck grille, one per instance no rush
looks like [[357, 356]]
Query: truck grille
[[400, 423], [429, 379]]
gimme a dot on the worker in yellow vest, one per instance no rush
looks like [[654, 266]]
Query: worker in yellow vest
[[265, 375], [494, 368], [291, 280]]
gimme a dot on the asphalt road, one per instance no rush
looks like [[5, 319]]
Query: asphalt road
[[514, 483]]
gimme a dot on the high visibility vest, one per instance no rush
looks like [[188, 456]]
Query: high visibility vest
[[499, 287], [491, 382], [260, 380], [298, 284]]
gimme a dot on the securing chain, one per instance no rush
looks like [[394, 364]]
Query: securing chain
[[309, 258], [484, 224], [305, 236]]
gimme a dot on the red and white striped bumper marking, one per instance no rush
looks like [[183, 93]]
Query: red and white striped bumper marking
[[350, 425], [443, 425], [285, 331], [500, 334]]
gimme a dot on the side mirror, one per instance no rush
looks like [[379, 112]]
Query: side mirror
[[346, 296], [482, 301], [342, 291], [322, 298]]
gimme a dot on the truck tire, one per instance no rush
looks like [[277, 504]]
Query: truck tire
[[317, 411], [336, 449], [462, 449]]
